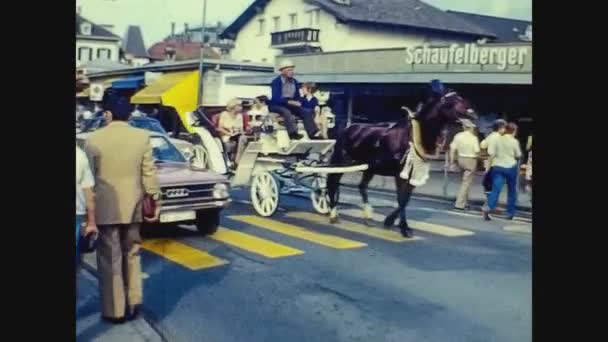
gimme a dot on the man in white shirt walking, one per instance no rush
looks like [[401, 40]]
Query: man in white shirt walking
[[504, 157], [85, 199], [465, 150]]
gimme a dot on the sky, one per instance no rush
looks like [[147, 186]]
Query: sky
[[155, 16]]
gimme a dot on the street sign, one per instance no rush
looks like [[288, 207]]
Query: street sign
[[96, 92]]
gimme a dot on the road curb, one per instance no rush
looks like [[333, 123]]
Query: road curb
[[92, 270]]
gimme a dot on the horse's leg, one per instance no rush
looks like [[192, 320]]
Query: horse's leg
[[389, 221], [333, 191], [368, 210], [404, 190]]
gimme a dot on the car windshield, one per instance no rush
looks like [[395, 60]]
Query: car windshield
[[164, 151], [148, 124]]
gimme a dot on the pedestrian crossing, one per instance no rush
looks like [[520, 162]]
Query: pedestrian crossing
[[189, 257], [196, 259], [327, 240], [379, 233], [416, 225]]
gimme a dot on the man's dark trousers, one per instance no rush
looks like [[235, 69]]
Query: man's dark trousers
[[288, 112]]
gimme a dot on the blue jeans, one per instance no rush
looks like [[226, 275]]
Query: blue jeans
[[79, 220], [499, 175]]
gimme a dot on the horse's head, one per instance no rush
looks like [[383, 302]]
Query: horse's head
[[440, 109], [451, 107]]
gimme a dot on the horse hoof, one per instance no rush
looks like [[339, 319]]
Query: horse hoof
[[369, 223], [406, 231], [389, 223], [333, 220]]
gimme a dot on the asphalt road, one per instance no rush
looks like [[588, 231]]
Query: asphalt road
[[293, 277]]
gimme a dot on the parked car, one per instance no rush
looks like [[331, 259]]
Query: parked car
[[189, 195]]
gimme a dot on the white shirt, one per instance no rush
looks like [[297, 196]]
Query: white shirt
[[505, 150], [231, 122], [87, 114], [466, 143], [84, 179]]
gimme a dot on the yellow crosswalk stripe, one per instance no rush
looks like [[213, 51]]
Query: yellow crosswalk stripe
[[418, 225], [254, 244], [182, 254], [384, 234], [298, 232]]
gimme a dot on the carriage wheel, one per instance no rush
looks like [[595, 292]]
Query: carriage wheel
[[264, 194], [319, 196]]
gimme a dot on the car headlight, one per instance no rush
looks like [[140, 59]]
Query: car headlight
[[221, 190]]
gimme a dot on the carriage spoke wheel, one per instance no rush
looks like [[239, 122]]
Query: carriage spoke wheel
[[264, 194], [319, 196]]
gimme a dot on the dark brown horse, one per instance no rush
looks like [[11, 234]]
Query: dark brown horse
[[384, 147]]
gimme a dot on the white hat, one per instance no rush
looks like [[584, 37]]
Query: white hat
[[286, 63], [466, 123]]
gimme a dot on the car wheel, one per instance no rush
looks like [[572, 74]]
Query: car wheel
[[207, 221]]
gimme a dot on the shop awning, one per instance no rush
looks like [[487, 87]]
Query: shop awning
[[153, 93], [84, 93], [128, 83], [397, 78], [177, 90]]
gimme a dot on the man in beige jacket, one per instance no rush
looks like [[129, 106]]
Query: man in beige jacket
[[464, 150], [122, 163]]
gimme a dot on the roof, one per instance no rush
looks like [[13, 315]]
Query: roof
[[503, 28], [134, 43], [183, 50], [193, 64], [396, 78], [97, 31], [101, 64], [412, 14]]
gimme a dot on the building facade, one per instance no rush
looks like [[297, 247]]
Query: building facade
[[95, 42], [134, 48], [269, 28]]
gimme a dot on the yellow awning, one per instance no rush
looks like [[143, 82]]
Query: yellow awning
[[177, 90], [153, 93], [84, 93]]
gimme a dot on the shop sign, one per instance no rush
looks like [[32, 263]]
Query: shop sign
[[96, 92], [455, 54]]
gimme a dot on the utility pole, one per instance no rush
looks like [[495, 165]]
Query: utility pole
[[200, 67]]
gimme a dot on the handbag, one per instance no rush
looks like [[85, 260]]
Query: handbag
[[148, 206], [87, 243], [487, 181]]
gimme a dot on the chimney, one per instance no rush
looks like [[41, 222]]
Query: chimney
[[78, 10], [186, 33], [172, 29]]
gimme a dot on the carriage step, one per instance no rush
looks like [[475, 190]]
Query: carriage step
[[327, 240], [379, 233], [331, 168]]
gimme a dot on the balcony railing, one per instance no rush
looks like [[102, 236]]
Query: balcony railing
[[305, 35]]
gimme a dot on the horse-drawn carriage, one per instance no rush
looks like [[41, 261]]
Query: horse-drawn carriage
[[271, 163]]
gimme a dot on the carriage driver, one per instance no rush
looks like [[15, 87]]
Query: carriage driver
[[286, 102]]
